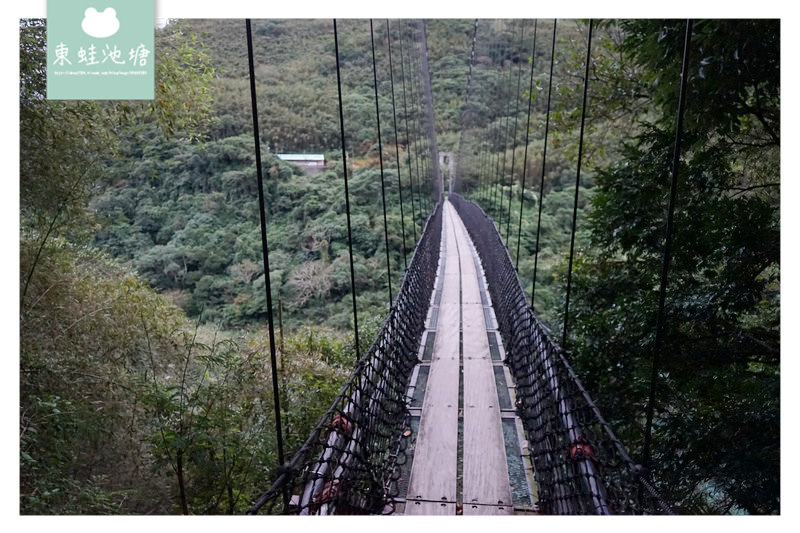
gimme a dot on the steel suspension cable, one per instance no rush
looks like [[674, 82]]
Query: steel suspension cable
[[397, 145], [483, 146], [415, 129], [408, 135], [577, 186], [426, 142], [662, 290], [495, 135], [481, 139], [435, 178], [416, 85], [380, 159], [412, 139], [467, 93], [492, 137], [495, 160], [500, 145], [502, 155], [544, 163], [346, 191], [525, 155], [490, 132], [514, 139], [262, 212]]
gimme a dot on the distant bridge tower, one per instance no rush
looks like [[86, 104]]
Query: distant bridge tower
[[446, 169]]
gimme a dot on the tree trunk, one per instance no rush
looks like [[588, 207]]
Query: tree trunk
[[181, 483]]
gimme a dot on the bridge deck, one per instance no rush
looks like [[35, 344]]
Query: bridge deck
[[434, 481], [433, 474]]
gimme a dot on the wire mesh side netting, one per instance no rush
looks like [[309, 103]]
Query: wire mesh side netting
[[580, 466], [350, 464]]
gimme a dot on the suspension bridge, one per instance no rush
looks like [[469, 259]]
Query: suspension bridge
[[464, 403]]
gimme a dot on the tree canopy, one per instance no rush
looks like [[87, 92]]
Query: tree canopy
[[716, 436]]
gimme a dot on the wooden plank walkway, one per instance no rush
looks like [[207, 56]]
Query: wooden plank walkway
[[433, 473], [485, 468], [433, 481]]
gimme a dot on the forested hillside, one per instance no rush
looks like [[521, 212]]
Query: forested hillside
[[144, 358], [183, 213]]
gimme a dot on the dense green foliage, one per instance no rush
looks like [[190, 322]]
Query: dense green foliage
[[186, 215], [125, 406], [129, 408], [716, 438]]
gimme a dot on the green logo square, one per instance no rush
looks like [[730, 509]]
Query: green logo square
[[100, 49]]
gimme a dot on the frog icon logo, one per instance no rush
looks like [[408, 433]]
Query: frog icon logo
[[100, 25]]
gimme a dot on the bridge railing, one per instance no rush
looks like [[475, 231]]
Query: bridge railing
[[580, 466], [351, 462]]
